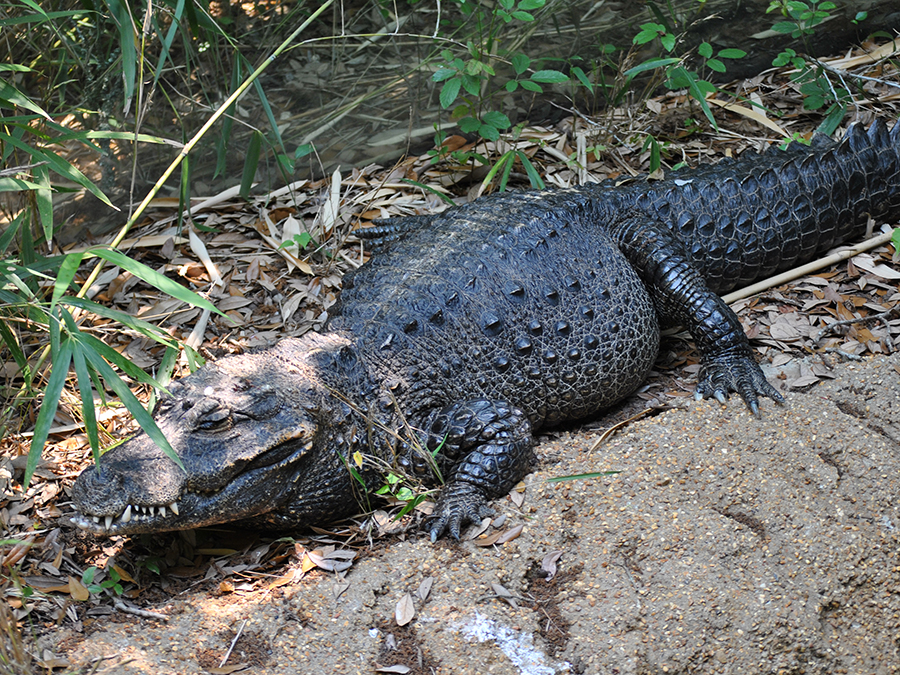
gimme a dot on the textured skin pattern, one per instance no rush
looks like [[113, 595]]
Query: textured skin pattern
[[474, 327]]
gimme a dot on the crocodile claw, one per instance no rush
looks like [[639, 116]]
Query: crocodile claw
[[738, 373], [459, 504]]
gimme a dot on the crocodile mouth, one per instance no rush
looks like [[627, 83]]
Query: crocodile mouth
[[254, 490]]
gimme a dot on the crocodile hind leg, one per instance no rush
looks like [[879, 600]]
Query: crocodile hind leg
[[682, 297], [483, 449]]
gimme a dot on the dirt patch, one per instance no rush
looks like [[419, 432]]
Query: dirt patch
[[726, 544]]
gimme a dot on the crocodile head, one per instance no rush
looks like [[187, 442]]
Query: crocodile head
[[248, 430]]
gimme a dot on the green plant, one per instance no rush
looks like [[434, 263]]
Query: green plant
[[398, 488], [98, 585], [469, 81], [817, 88], [677, 73], [47, 329]]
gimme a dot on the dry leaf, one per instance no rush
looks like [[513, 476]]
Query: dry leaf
[[226, 670], [405, 610], [78, 590], [548, 564], [399, 668], [425, 588]]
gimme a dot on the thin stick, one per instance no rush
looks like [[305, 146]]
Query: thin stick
[[808, 268], [233, 643]]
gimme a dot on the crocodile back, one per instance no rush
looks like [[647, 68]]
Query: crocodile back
[[741, 220], [508, 298]]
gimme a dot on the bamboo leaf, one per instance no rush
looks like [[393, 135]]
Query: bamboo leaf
[[154, 278], [129, 400], [61, 359]]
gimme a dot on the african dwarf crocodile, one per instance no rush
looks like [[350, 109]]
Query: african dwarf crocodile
[[472, 328]]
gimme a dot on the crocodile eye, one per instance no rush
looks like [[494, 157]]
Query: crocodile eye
[[217, 420]]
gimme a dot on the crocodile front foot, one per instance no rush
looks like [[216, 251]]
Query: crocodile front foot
[[738, 372], [459, 504]]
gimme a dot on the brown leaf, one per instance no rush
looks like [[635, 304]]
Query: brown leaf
[[405, 610], [548, 564], [510, 534], [123, 574], [425, 588], [78, 590]]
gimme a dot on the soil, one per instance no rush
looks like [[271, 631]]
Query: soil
[[724, 544]]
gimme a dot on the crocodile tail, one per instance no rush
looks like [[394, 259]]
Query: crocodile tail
[[387, 230], [766, 213]]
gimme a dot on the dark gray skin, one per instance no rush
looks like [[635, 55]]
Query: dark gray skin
[[471, 329]]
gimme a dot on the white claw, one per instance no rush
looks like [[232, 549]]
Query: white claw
[[126, 514], [108, 521], [174, 507], [162, 511]]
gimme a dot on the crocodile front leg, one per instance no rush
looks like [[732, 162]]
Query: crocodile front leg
[[682, 297], [483, 449]]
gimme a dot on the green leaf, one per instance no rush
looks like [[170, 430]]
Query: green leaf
[[17, 185], [651, 64], [716, 65], [64, 277], [579, 73], [511, 86], [449, 92], [528, 85], [731, 54], [154, 278], [44, 197], [530, 5], [496, 119], [520, 63], [60, 359], [549, 77], [129, 400], [138, 325], [121, 15], [533, 176], [648, 33], [442, 74], [668, 42], [87, 400], [705, 50], [472, 84], [488, 133], [786, 27], [251, 163], [87, 577], [59, 165], [523, 16], [469, 124], [15, 97]]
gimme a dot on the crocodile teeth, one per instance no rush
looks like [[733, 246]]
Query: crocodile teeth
[[151, 510], [108, 521], [96, 519], [174, 507], [126, 514], [162, 511]]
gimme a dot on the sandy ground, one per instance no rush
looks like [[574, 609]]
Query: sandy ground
[[726, 544]]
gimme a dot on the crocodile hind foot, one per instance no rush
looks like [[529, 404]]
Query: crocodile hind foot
[[738, 372], [459, 504]]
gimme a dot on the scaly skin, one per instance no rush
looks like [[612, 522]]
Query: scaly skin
[[475, 327]]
